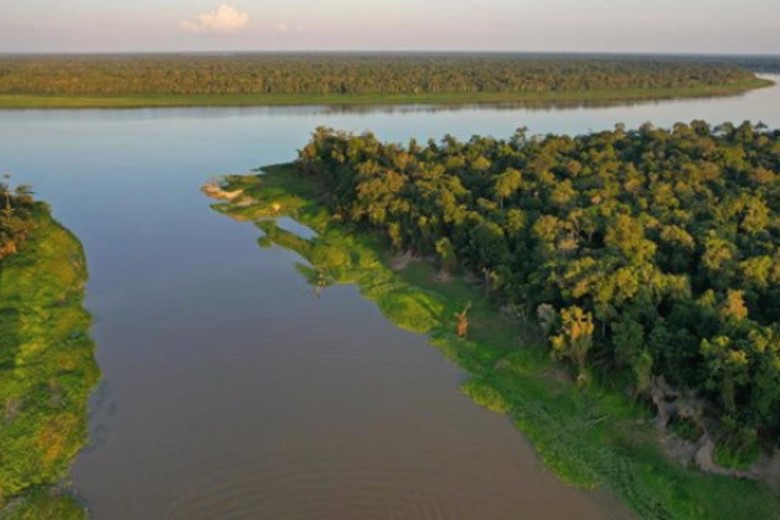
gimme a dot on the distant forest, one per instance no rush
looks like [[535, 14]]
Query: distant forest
[[758, 64], [648, 255], [354, 74]]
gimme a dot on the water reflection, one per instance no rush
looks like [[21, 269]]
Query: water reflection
[[316, 278], [531, 105]]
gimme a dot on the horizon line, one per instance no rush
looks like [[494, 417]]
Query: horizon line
[[393, 51]]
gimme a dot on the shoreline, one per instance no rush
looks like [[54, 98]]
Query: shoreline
[[595, 439], [48, 374], [23, 101]]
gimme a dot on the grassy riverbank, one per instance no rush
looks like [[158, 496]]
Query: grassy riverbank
[[47, 370], [227, 100], [590, 438]]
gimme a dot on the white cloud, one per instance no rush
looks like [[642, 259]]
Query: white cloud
[[223, 19], [282, 27]]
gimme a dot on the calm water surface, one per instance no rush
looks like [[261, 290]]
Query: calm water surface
[[229, 390]]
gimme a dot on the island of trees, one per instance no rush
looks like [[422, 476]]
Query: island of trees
[[651, 257], [614, 293], [235, 79], [47, 368]]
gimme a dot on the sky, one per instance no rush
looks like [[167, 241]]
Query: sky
[[646, 26]]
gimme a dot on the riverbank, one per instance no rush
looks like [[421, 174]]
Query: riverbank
[[47, 371], [589, 438], [494, 98]]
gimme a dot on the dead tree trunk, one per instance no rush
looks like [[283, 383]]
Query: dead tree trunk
[[462, 328]]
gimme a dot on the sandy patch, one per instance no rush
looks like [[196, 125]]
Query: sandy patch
[[213, 190]]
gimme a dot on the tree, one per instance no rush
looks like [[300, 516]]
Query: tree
[[628, 337], [718, 254], [668, 240], [727, 369], [574, 339], [5, 192], [734, 305], [447, 257], [506, 184]]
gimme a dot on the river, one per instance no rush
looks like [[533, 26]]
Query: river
[[229, 390]]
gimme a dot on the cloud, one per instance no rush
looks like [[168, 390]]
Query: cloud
[[282, 27], [223, 19]]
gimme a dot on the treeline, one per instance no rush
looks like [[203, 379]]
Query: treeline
[[349, 74], [756, 63], [651, 257], [16, 222]]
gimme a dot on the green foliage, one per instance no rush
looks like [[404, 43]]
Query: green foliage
[[686, 428], [737, 447], [47, 368], [738, 452], [574, 339], [485, 395], [349, 74], [590, 437], [653, 249], [43, 504], [16, 222], [412, 310]]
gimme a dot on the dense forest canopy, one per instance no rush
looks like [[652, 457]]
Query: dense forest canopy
[[759, 64], [315, 74], [645, 254], [16, 205]]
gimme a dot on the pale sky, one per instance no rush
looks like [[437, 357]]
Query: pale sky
[[688, 26]]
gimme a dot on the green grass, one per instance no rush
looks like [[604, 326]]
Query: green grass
[[47, 371], [594, 438], [18, 101], [45, 504]]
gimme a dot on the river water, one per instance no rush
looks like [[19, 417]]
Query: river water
[[229, 390]]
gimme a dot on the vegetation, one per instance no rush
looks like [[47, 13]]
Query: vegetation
[[591, 437], [258, 79], [47, 368], [652, 253], [16, 223], [760, 63]]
